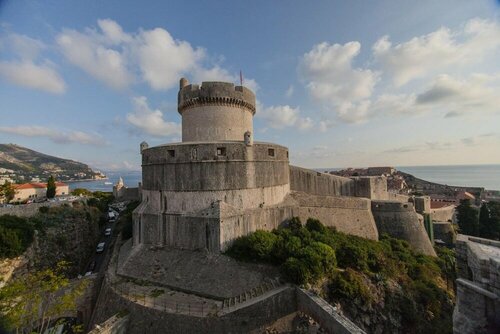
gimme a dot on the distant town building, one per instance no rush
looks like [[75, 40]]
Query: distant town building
[[37, 191]]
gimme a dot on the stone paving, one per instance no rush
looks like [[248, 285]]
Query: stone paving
[[210, 275]]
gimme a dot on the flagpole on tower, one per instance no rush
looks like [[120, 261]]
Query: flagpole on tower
[[241, 78]]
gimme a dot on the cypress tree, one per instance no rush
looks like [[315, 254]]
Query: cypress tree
[[51, 187], [468, 218]]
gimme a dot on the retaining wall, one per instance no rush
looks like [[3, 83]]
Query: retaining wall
[[325, 314]]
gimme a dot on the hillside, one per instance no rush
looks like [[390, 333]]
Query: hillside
[[27, 164]]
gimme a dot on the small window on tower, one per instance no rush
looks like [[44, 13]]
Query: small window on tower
[[171, 153], [221, 151], [270, 152]]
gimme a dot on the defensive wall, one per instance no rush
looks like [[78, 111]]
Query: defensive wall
[[444, 214], [349, 215], [477, 308], [445, 232], [323, 184], [399, 220]]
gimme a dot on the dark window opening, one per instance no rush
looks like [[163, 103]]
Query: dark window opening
[[270, 152], [171, 153], [221, 151], [287, 154]]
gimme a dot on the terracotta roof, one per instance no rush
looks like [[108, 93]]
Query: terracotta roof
[[440, 204], [36, 185]]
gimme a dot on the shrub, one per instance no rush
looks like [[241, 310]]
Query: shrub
[[349, 285], [256, 246], [16, 234], [296, 270], [315, 225], [294, 224], [43, 209]]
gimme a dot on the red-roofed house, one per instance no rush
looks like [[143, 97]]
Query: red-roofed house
[[33, 191]]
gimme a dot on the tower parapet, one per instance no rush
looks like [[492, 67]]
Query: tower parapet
[[215, 111]]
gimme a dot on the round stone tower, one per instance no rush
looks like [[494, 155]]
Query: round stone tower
[[215, 111]]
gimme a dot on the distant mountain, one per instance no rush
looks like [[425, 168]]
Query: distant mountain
[[28, 164]]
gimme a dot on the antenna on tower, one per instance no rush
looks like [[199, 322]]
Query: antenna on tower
[[241, 78]]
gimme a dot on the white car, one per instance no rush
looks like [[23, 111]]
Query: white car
[[100, 247], [107, 232]]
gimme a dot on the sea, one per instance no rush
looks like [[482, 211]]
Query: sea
[[487, 176], [130, 179]]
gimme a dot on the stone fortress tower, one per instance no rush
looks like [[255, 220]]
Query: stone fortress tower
[[217, 169], [218, 184]]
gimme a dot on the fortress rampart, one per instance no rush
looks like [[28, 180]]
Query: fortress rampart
[[400, 220]]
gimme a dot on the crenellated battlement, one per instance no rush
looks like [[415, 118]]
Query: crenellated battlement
[[214, 93]]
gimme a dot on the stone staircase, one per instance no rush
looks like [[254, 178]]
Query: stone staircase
[[234, 302]]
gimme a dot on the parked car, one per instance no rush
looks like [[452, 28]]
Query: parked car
[[107, 232], [100, 247]]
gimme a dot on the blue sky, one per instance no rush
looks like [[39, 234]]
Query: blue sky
[[340, 83]]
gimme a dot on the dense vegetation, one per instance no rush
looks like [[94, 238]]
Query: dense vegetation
[[30, 303], [401, 291], [16, 234], [127, 221], [484, 223]]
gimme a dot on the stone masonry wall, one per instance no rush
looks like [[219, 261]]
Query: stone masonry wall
[[323, 184], [399, 220], [349, 215], [253, 318]]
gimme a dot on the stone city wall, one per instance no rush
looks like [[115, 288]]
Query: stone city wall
[[349, 215], [185, 167], [399, 220], [323, 184], [193, 201], [372, 187], [477, 310], [235, 223], [445, 232], [444, 214]]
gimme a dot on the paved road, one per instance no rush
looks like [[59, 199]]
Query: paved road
[[99, 257]]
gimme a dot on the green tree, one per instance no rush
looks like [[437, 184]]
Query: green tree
[[7, 192], [51, 187], [468, 218], [489, 221], [484, 221], [29, 303]]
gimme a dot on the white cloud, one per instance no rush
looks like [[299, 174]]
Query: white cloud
[[437, 51], [24, 70], [28, 74], [333, 82], [56, 136], [438, 59], [154, 56], [151, 121], [162, 59], [280, 117], [97, 54], [289, 91], [461, 96]]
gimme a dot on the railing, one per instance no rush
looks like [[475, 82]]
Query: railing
[[159, 299], [252, 293]]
